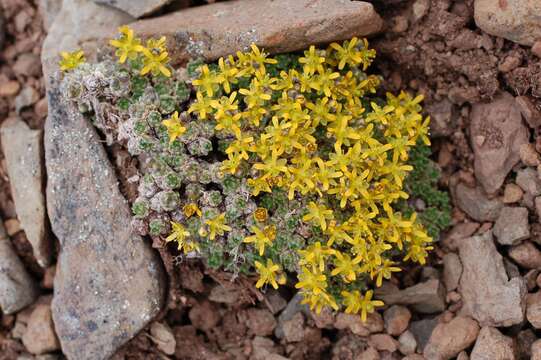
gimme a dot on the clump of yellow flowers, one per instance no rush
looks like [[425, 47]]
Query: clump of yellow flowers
[[310, 170], [311, 132]]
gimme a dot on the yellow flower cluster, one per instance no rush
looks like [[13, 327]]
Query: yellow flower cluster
[[311, 132]]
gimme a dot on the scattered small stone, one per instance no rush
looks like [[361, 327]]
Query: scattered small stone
[[426, 297], [536, 48], [369, 354], [512, 193], [163, 337], [528, 180], [526, 255], [383, 342], [17, 288], [12, 226], [492, 345], [40, 108], [400, 24], [528, 155], [40, 336], [414, 357], [396, 319], [24, 161], [294, 328], [420, 9], [512, 225], [407, 343], [528, 111], [325, 319], [463, 356], [523, 343], [276, 301], [261, 322], [449, 339], [422, 330], [487, 294], [373, 324], [224, 294], [497, 132], [138, 8], [513, 20], [452, 270], [509, 63], [27, 64], [459, 232], [443, 118], [27, 97], [475, 203], [9, 88], [204, 316], [531, 279], [536, 350], [533, 309], [48, 277]]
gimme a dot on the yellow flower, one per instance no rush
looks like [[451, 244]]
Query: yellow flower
[[345, 266], [312, 61], [269, 274], [180, 235], [155, 63], [156, 45], [356, 303], [319, 301], [202, 106], [190, 209], [318, 214], [260, 239], [71, 60], [311, 281], [127, 45], [261, 214], [208, 80], [385, 271], [315, 255], [174, 127], [217, 226]]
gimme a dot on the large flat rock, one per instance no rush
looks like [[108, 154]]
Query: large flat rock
[[109, 282], [23, 150], [223, 28]]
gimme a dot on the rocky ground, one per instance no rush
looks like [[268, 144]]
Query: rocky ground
[[476, 61]]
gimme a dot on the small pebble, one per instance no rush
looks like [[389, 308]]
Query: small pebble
[[536, 48], [10, 88]]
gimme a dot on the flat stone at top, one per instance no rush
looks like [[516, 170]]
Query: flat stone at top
[[136, 8], [109, 283], [219, 29]]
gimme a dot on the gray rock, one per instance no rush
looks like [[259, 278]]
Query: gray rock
[[492, 345], [515, 20], [24, 160], [443, 118], [109, 282], [512, 225], [17, 288], [528, 180], [278, 26], [475, 203], [427, 297], [422, 330], [407, 343], [487, 294], [536, 350], [137, 8], [293, 307], [497, 133], [452, 270]]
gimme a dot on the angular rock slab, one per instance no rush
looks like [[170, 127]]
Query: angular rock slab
[[109, 283], [219, 29], [23, 150], [17, 288], [137, 8], [487, 293], [497, 132]]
